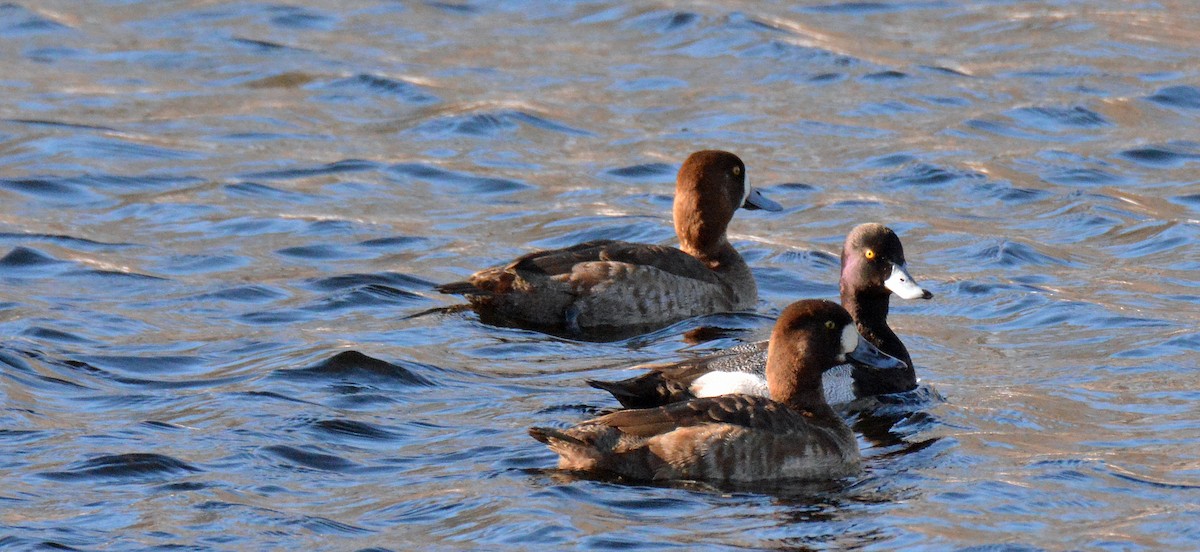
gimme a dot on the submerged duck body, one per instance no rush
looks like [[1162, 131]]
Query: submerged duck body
[[793, 434], [613, 284], [873, 268]]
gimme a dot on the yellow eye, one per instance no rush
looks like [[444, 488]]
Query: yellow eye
[[829, 324], [870, 253], [737, 171]]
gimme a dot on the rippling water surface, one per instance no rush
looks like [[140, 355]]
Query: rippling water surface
[[220, 224]]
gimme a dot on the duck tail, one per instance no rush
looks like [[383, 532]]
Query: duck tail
[[615, 388], [574, 453], [461, 288], [644, 391], [548, 434]]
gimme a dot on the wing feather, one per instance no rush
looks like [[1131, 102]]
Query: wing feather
[[741, 410], [560, 262]]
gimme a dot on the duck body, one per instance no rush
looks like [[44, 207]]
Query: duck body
[[867, 282], [612, 284], [792, 434], [740, 369], [736, 438], [605, 283]]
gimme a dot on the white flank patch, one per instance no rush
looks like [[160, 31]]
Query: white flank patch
[[715, 384]]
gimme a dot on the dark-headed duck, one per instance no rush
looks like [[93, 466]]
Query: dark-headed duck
[[873, 268], [794, 434], [614, 284]]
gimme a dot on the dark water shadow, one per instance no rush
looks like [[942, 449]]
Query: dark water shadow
[[132, 467]]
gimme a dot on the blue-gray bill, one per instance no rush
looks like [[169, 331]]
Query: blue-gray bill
[[755, 200], [867, 354]]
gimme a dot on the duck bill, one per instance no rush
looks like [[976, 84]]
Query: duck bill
[[755, 200], [866, 354], [902, 283]]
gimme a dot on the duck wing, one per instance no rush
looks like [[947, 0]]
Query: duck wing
[[746, 411], [732, 437], [560, 262], [667, 383]]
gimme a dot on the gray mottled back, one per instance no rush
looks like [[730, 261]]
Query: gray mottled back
[[751, 358], [746, 357]]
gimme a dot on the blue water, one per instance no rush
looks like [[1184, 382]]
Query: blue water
[[220, 225]]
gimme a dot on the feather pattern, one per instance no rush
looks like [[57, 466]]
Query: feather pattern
[[793, 434], [864, 294], [613, 284]]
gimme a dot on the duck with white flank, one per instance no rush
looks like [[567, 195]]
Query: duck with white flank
[[873, 268], [794, 434]]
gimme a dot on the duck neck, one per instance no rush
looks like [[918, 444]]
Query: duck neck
[[718, 257], [801, 391], [700, 226], [811, 401], [870, 311], [870, 316]]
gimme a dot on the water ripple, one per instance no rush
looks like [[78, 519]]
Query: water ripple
[[15, 18], [211, 211], [490, 124], [262, 191], [385, 279], [295, 17], [1167, 155], [1005, 253], [24, 259], [311, 459], [356, 430], [71, 241], [860, 7], [138, 466], [353, 366], [1058, 118], [337, 167], [633, 229], [455, 182], [262, 46], [1183, 96], [663, 21], [924, 174], [649, 172], [50, 189], [393, 87]]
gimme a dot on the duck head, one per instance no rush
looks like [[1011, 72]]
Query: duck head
[[809, 338], [710, 186], [873, 263]]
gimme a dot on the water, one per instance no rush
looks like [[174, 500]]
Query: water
[[218, 220]]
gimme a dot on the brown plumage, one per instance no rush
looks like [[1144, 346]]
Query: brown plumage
[[792, 435], [866, 284], [613, 284]]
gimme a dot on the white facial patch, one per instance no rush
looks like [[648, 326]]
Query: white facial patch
[[902, 283], [715, 384], [849, 341], [756, 200]]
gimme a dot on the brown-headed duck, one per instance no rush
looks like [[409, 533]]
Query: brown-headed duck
[[613, 284], [794, 434]]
